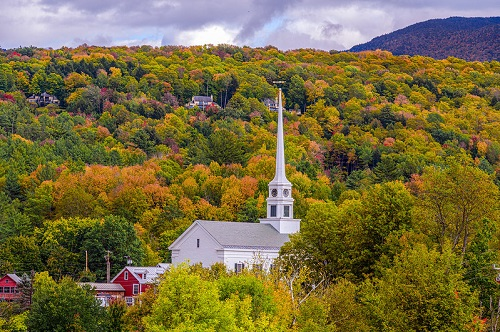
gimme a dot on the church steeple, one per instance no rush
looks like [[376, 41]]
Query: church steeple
[[280, 201]]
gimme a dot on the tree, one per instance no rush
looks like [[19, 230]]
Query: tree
[[20, 253], [55, 85], [116, 235], [116, 316], [478, 262], [39, 82], [422, 291], [12, 221], [63, 306], [387, 212], [297, 92], [336, 308], [6, 77], [453, 201], [224, 147], [186, 302], [237, 108]]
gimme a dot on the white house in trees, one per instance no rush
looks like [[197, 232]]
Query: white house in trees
[[238, 244]]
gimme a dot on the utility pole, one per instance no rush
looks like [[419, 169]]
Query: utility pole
[[108, 267]]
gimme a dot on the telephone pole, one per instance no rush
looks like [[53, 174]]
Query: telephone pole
[[108, 267]]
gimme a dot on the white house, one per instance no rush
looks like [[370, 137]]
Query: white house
[[238, 244]]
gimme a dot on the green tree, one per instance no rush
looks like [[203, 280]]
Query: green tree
[[63, 306], [186, 302], [12, 221], [297, 93], [6, 77], [116, 235], [20, 253], [39, 82], [55, 85], [422, 291], [237, 108], [224, 147], [478, 262], [453, 201]]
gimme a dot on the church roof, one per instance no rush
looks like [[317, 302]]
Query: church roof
[[244, 235]]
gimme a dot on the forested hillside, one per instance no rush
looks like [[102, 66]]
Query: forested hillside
[[472, 39], [394, 161]]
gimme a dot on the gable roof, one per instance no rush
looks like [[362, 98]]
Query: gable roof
[[242, 235], [205, 99], [14, 277], [152, 272]]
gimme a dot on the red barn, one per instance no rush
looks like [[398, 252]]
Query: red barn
[[8, 287], [137, 279]]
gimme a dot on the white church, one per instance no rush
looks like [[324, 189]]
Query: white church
[[239, 244]]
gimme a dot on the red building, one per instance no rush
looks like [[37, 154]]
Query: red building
[[136, 280], [8, 287]]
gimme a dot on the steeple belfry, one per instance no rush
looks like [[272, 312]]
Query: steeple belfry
[[280, 201]]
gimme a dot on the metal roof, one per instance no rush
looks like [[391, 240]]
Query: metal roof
[[206, 99], [14, 277], [103, 287], [244, 235]]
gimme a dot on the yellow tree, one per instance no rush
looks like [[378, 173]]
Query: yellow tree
[[453, 201]]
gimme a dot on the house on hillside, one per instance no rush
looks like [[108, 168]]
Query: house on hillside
[[43, 99], [9, 287], [106, 292], [135, 280], [202, 102], [271, 104], [238, 244]]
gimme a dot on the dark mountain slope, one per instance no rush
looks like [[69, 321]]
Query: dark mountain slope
[[472, 39]]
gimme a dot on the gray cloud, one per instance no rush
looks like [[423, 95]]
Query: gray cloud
[[329, 29], [287, 24]]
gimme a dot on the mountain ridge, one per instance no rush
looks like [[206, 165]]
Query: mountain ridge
[[471, 39]]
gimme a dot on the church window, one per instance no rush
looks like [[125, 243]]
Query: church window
[[273, 210], [286, 211]]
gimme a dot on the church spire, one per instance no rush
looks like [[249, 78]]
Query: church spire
[[279, 175], [280, 201]]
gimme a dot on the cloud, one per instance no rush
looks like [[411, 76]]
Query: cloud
[[328, 24]]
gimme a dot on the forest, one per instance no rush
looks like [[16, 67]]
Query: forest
[[469, 38], [394, 161]]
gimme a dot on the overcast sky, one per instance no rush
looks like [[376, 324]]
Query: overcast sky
[[286, 24]]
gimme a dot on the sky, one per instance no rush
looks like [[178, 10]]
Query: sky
[[285, 24]]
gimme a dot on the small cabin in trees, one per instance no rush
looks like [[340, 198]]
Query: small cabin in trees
[[9, 287], [106, 292], [135, 280], [43, 99], [239, 244], [271, 104], [202, 102]]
